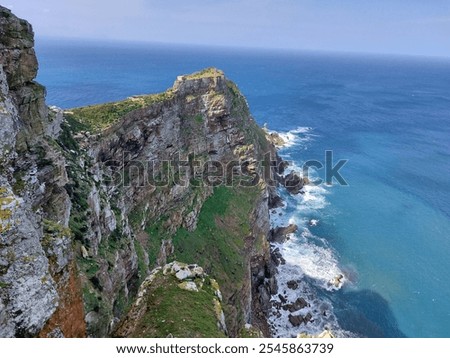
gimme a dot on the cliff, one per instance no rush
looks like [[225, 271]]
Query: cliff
[[95, 202]]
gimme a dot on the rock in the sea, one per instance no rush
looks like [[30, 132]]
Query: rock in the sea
[[295, 320], [337, 281], [299, 304], [280, 234], [275, 201], [277, 258], [294, 183], [293, 285], [276, 139]]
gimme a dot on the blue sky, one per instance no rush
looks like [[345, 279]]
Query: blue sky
[[416, 27]]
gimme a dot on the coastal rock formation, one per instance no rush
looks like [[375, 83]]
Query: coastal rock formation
[[281, 234], [93, 199], [294, 183]]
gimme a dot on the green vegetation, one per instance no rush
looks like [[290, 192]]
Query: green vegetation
[[207, 72], [54, 228], [217, 244], [199, 118], [88, 265], [136, 216], [91, 301], [98, 117], [251, 332], [19, 183], [171, 310], [121, 304], [4, 284], [109, 246], [142, 266], [79, 186], [157, 233]]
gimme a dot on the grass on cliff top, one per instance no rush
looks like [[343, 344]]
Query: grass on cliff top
[[95, 118], [171, 310], [207, 72]]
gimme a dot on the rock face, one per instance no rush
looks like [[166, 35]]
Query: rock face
[[35, 245], [92, 199]]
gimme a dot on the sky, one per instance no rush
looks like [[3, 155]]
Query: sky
[[413, 27]]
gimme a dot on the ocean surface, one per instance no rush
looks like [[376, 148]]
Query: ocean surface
[[388, 230]]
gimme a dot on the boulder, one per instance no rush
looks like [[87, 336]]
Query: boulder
[[188, 286], [293, 285], [280, 234], [294, 183], [295, 320], [299, 304], [277, 258]]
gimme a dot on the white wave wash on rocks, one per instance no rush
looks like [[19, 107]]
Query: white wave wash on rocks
[[305, 267]]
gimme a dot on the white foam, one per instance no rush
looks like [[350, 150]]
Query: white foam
[[313, 198], [320, 309], [316, 262], [309, 258], [313, 222], [299, 135]]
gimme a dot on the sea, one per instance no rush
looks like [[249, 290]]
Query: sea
[[386, 229]]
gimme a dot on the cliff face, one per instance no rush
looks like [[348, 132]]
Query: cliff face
[[35, 247], [92, 199]]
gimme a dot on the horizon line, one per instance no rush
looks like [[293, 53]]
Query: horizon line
[[241, 47]]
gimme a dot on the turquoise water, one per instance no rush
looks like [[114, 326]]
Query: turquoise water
[[389, 116]]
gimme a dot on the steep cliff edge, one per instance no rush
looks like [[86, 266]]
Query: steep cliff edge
[[93, 199], [35, 244]]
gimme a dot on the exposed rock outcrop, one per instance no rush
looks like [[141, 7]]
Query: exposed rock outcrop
[[294, 183], [35, 244], [281, 234]]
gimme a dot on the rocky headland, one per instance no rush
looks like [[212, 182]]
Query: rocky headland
[[82, 232], [102, 206]]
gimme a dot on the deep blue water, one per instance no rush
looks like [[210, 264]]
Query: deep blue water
[[389, 116]]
